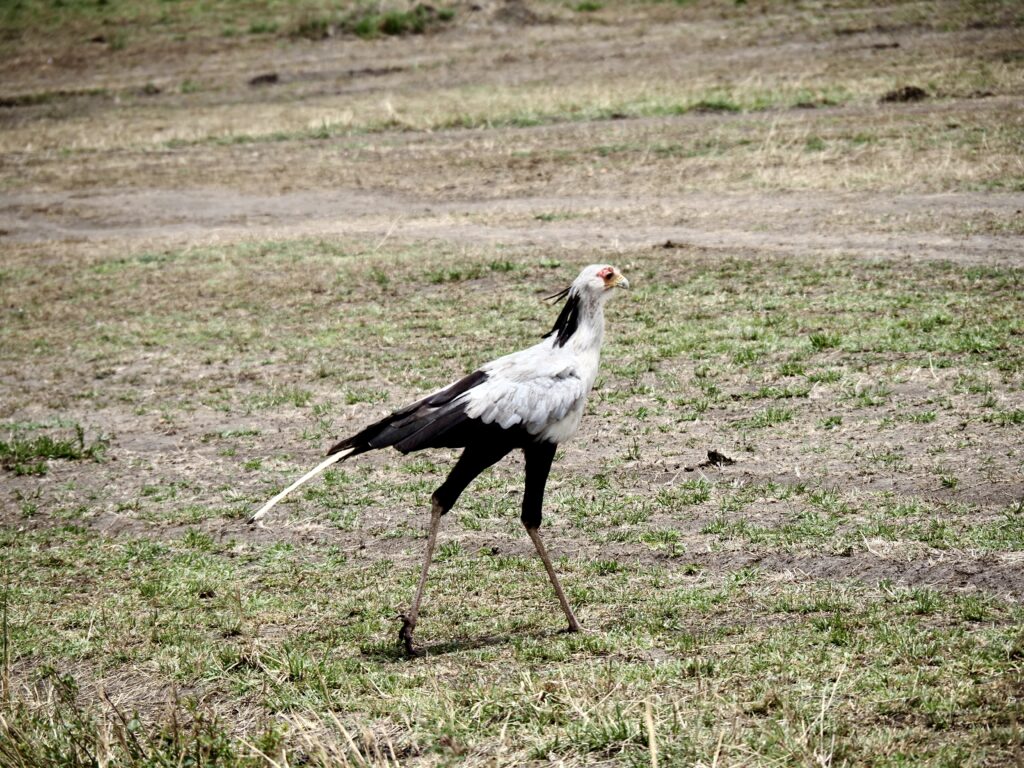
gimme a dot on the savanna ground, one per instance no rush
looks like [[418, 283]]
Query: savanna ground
[[234, 232]]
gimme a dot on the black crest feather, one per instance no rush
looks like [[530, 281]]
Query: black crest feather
[[556, 297], [568, 319]]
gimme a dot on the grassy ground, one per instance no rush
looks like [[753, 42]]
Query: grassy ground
[[203, 285]]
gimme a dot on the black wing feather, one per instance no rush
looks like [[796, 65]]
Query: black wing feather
[[437, 420], [416, 426]]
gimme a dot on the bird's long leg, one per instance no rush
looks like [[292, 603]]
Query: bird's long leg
[[538, 464], [534, 534], [409, 620], [470, 464]]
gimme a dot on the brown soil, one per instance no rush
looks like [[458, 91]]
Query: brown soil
[[795, 224]]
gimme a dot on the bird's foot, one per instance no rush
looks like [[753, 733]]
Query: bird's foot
[[405, 637], [571, 629]]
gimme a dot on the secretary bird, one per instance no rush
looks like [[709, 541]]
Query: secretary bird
[[531, 400]]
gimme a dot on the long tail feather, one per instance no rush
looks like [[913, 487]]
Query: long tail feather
[[332, 459]]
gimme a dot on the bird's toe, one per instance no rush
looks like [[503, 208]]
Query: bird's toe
[[405, 637]]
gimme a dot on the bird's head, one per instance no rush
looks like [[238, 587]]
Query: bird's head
[[583, 301], [595, 281], [600, 279]]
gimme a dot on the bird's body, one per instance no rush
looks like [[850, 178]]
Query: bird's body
[[530, 400], [533, 395]]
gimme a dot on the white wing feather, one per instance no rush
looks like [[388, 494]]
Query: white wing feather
[[536, 388]]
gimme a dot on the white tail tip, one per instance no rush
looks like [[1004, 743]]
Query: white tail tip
[[308, 476]]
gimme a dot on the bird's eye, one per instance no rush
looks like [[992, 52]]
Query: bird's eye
[[605, 273]]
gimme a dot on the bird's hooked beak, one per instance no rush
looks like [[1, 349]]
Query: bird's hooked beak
[[618, 281]]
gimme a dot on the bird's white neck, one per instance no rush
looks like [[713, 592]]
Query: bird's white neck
[[580, 324], [589, 334]]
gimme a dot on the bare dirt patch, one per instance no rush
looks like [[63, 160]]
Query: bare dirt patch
[[792, 224]]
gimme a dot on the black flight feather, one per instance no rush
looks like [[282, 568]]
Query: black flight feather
[[418, 425]]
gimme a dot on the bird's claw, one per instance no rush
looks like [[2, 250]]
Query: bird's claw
[[405, 637]]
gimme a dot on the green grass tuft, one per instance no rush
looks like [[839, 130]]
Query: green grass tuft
[[28, 455]]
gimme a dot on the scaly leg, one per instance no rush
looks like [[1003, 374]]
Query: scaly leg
[[409, 620], [470, 464], [538, 464], [534, 534]]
